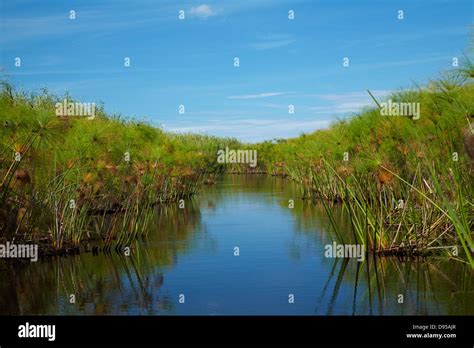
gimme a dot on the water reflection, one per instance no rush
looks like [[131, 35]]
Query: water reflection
[[388, 286], [190, 251]]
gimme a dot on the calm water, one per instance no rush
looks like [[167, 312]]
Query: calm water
[[191, 251]]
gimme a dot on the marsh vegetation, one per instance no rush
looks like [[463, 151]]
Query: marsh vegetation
[[404, 184]]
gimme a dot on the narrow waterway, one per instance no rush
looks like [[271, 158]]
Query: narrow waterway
[[237, 248]]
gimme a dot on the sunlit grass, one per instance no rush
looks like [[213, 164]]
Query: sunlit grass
[[62, 177], [407, 185]]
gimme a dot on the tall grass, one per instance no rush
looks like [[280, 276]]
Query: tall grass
[[408, 186], [65, 180]]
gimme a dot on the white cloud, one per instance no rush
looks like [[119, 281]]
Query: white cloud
[[202, 11], [101, 20], [251, 130], [347, 102], [270, 41], [353, 95], [256, 96], [272, 44]]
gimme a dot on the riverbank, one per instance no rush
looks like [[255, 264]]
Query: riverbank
[[404, 180], [68, 179]]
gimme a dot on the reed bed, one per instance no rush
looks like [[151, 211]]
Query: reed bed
[[405, 185], [67, 180]]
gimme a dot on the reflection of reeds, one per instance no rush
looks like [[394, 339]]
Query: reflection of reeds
[[101, 285], [379, 283], [106, 282]]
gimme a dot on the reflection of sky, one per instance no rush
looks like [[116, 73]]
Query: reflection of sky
[[260, 279], [190, 62]]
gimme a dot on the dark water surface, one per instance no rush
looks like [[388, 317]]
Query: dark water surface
[[191, 252]]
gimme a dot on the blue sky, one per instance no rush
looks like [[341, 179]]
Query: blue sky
[[190, 61]]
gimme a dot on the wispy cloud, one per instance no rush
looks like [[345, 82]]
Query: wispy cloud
[[272, 44], [382, 40], [353, 96], [203, 11], [271, 41], [251, 130], [346, 102], [113, 17], [256, 96]]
